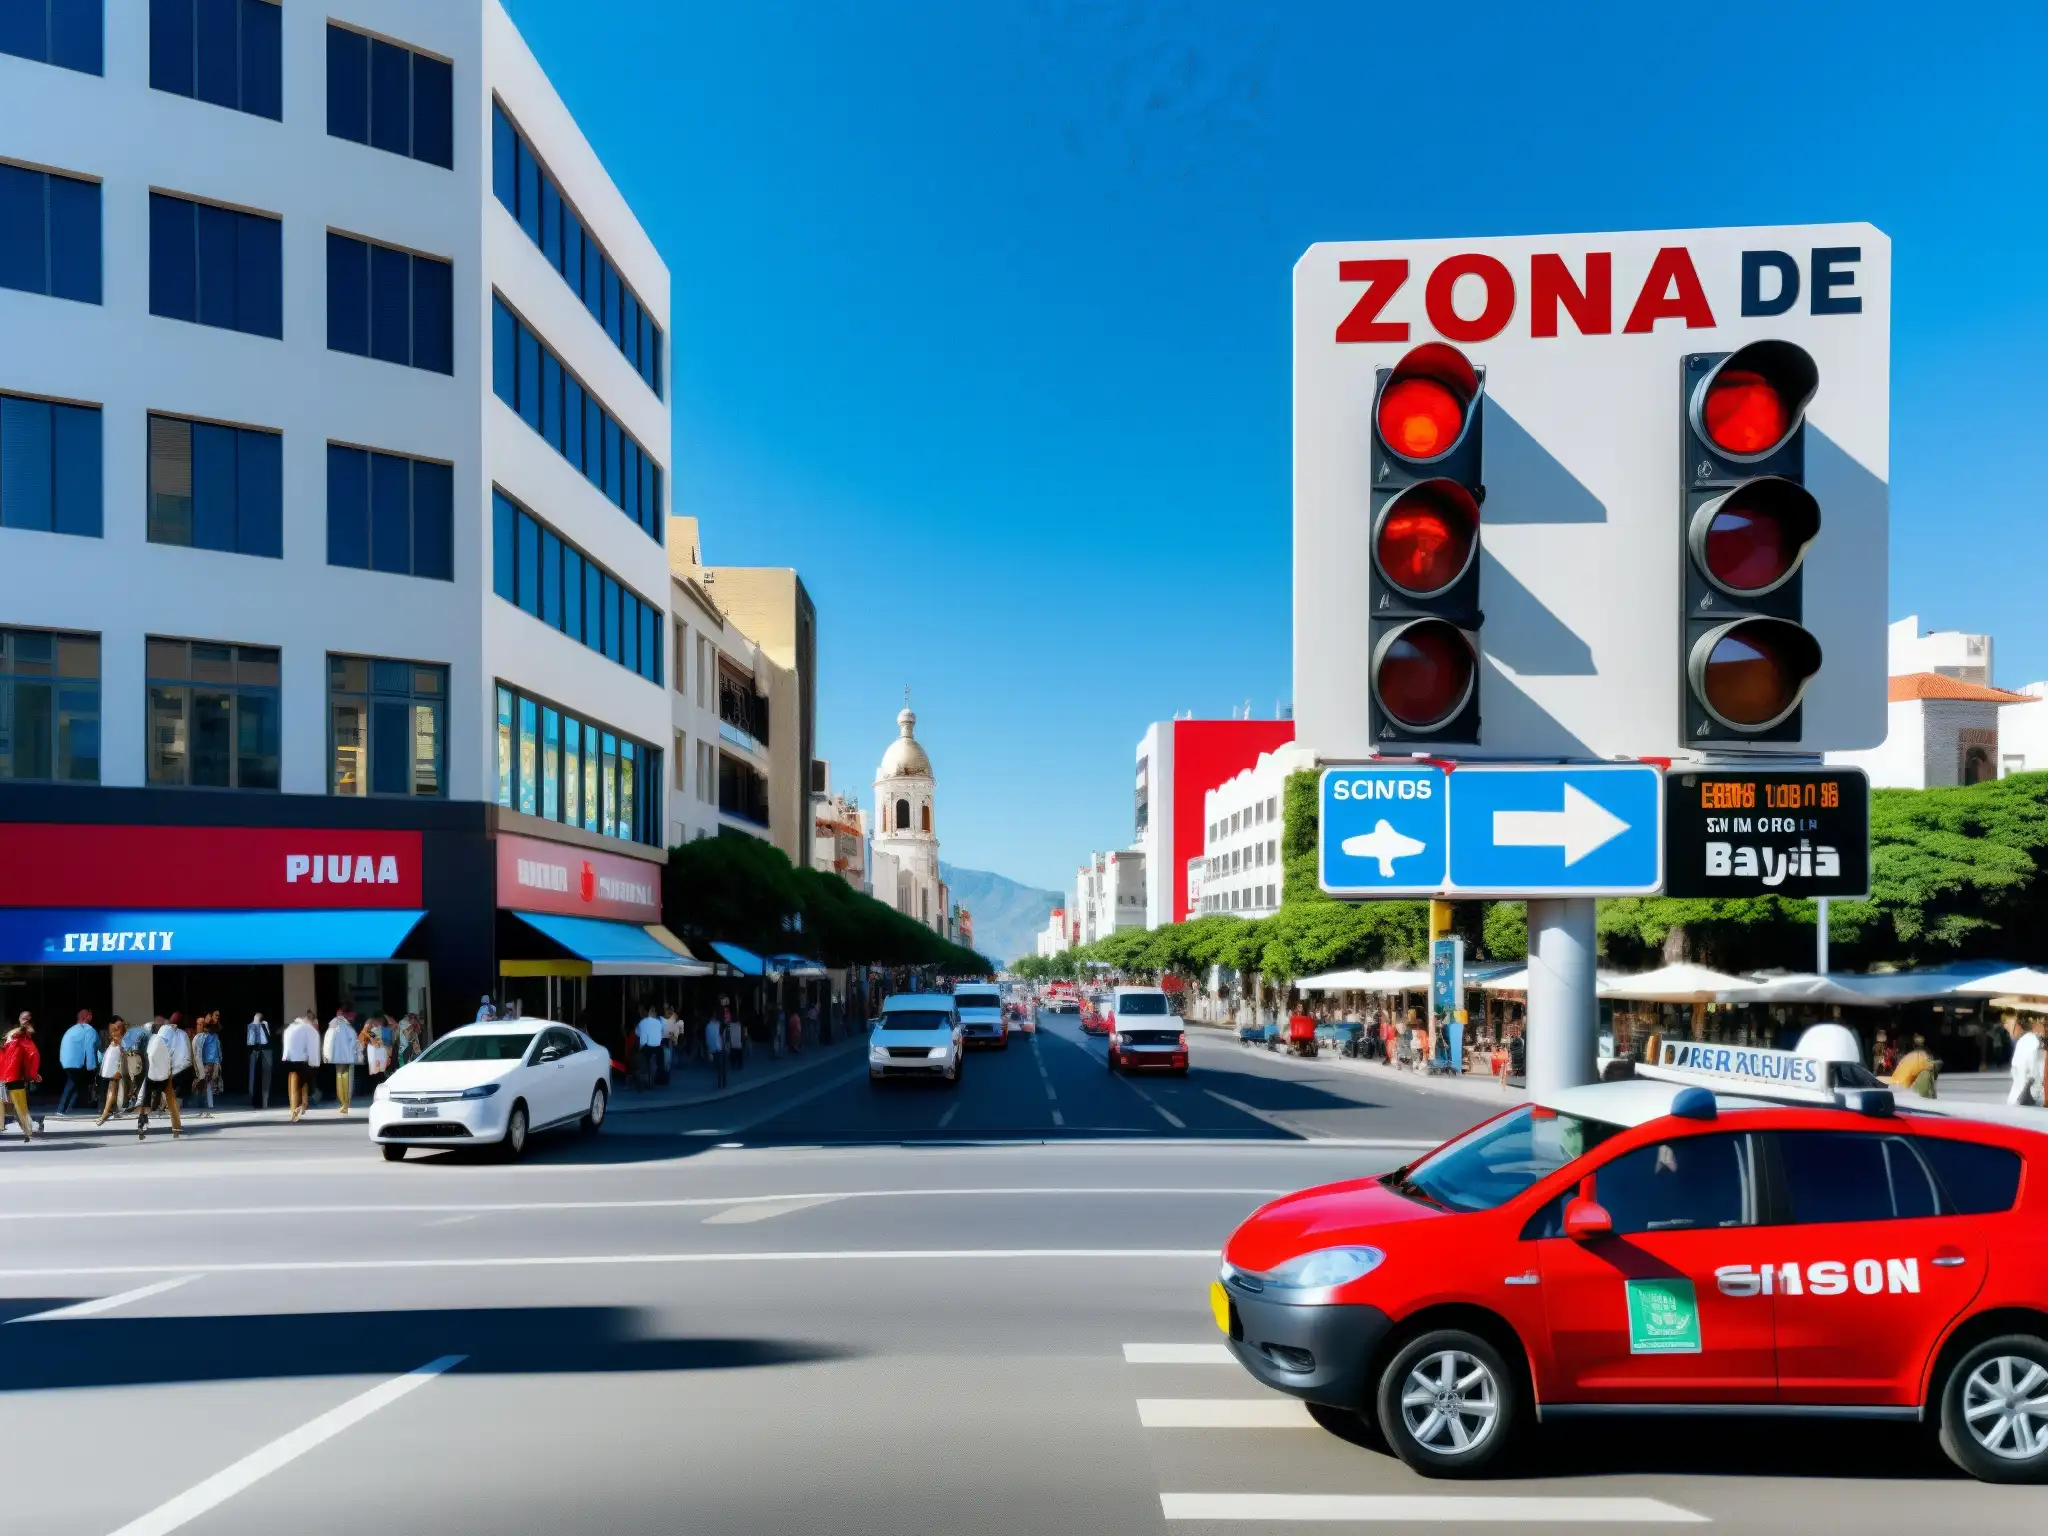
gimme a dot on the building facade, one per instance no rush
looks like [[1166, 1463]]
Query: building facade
[[1243, 816], [1178, 763], [333, 472], [1109, 894], [905, 858], [839, 834], [1057, 935]]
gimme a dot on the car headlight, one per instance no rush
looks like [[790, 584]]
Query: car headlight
[[481, 1091], [1325, 1267], [939, 1052], [383, 1090]]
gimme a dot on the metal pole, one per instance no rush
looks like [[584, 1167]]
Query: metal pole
[[1564, 1010], [1820, 944]]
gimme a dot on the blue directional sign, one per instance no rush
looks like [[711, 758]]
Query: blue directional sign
[[1546, 830], [1383, 830]]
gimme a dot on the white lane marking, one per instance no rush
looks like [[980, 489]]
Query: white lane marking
[[1178, 1354], [1050, 1095], [1426, 1509], [601, 1260], [1267, 1116], [763, 1210], [1058, 1118], [281, 1452], [1166, 1114], [104, 1303], [1224, 1413], [947, 1118], [679, 1203], [454, 1221]]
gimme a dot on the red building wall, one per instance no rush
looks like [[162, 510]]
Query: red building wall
[[1205, 753]]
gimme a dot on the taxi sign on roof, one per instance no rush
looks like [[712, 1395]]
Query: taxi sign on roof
[[1754, 1069]]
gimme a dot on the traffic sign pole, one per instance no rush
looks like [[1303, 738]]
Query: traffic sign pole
[[1564, 1008]]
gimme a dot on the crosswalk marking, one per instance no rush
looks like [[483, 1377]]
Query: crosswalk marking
[[1223, 1413], [1178, 1354], [1461, 1509]]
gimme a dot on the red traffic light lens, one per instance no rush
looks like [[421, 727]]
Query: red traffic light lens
[[1426, 537], [1420, 418], [1424, 673], [1751, 674], [1744, 413], [1751, 539]]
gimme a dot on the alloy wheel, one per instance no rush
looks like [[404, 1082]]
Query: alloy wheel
[[1450, 1402], [2005, 1405]]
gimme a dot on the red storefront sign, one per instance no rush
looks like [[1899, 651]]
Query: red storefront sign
[[206, 868], [538, 876]]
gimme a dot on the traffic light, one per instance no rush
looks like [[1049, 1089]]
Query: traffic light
[[1423, 593], [1748, 520]]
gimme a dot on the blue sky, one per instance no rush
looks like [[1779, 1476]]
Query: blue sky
[[981, 310]]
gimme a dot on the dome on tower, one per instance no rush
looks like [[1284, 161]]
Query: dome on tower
[[905, 758]]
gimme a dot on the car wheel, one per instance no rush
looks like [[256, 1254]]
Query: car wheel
[[393, 1152], [593, 1121], [1448, 1404], [513, 1146], [1994, 1410]]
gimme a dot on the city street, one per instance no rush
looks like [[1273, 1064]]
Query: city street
[[811, 1307]]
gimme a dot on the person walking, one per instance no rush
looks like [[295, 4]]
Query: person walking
[[647, 1045], [135, 1063], [21, 1068], [411, 1040], [377, 1040], [714, 1045], [259, 1060], [78, 1054], [2027, 1054], [342, 1050], [162, 1091], [207, 1054], [181, 1058], [110, 1067], [301, 1062]]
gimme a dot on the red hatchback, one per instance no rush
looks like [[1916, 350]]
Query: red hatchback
[[1658, 1245]]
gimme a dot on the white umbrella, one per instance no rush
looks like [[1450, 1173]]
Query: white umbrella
[[1330, 981], [1513, 981], [2023, 981], [1850, 989], [1680, 983]]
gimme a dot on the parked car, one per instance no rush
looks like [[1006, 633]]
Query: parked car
[[494, 1084]]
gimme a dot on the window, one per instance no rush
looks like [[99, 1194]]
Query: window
[[742, 791], [531, 195], [387, 727], [680, 668], [1835, 1176], [49, 231], [390, 304], [390, 97], [1975, 1180], [228, 52], [67, 33], [215, 487], [215, 266], [1688, 1183], [528, 377], [603, 782], [387, 513], [213, 715], [50, 466], [534, 569], [49, 706]]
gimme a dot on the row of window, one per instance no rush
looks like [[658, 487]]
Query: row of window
[[70, 34], [1255, 814], [49, 233], [532, 197], [528, 376], [50, 470], [392, 305], [1253, 856], [535, 569], [560, 766], [49, 706], [390, 97], [216, 487], [1242, 900], [227, 52], [389, 513], [215, 266]]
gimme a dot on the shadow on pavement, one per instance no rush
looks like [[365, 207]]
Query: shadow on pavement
[[134, 1351]]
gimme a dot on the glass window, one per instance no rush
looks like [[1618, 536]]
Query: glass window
[[550, 777], [214, 718], [433, 315], [551, 400], [348, 293], [263, 59], [527, 750], [1833, 1176], [629, 631], [529, 378], [433, 520], [505, 747], [216, 266], [259, 494], [67, 33], [213, 487], [550, 222], [1975, 1180], [504, 160], [348, 84], [572, 778], [1687, 1183], [390, 305], [572, 420], [1499, 1160], [504, 354], [390, 97], [433, 111], [49, 706], [504, 519], [390, 513], [572, 593], [529, 564], [49, 234], [550, 609], [225, 52], [529, 193]]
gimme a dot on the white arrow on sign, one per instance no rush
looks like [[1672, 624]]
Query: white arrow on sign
[[1582, 826]]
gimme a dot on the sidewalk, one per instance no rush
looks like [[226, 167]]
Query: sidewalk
[[1481, 1087]]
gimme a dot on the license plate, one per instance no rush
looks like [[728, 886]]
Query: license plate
[[418, 1112], [1219, 1304]]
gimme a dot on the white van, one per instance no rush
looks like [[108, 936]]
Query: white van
[[917, 1035], [981, 1014]]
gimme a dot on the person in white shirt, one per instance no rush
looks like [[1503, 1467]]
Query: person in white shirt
[[301, 1061], [342, 1050], [485, 1013], [162, 1059], [110, 1067], [181, 1056], [647, 1034], [259, 1061], [2027, 1057]]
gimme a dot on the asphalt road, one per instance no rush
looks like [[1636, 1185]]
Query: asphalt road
[[818, 1307]]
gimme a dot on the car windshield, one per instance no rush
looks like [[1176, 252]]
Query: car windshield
[[1495, 1162], [494, 1046], [922, 1019], [1140, 1002]]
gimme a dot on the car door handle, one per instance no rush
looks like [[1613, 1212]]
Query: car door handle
[[1528, 1278], [1948, 1258]]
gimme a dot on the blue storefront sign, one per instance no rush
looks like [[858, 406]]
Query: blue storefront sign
[[75, 936]]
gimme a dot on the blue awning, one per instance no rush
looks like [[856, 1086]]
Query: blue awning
[[801, 966], [614, 949], [745, 961], [73, 936]]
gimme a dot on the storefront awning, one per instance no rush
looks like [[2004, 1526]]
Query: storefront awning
[[74, 936], [745, 961], [617, 949]]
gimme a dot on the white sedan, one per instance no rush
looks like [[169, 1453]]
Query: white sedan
[[494, 1084]]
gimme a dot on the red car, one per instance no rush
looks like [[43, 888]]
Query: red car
[[1730, 1232]]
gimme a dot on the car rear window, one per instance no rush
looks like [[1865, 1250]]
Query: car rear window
[[1140, 1002], [1977, 1180]]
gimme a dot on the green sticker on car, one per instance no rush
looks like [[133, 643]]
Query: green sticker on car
[[1663, 1318]]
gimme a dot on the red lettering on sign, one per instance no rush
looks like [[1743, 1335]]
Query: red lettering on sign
[[1551, 284], [1500, 298], [1382, 279], [1671, 292]]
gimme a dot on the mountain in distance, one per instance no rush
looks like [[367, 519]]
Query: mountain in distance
[[1008, 917]]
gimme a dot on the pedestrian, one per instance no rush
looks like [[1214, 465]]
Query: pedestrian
[[21, 1068], [814, 1027], [135, 1063], [341, 1050], [163, 1086], [181, 1058], [714, 1045], [78, 1054], [376, 1040], [647, 1039], [2026, 1063], [485, 1013], [409, 1041], [110, 1067], [206, 1052], [259, 1060], [671, 1040], [301, 1062]]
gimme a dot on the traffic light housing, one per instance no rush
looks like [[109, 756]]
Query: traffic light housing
[[1423, 593], [1747, 521]]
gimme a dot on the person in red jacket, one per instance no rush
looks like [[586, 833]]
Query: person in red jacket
[[21, 1068]]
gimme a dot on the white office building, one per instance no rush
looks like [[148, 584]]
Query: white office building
[[1242, 818]]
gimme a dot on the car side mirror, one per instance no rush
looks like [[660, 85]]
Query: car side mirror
[[1586, 1220]]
